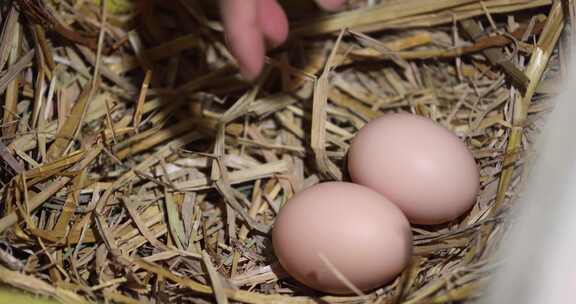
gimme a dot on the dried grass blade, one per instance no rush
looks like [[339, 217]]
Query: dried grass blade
[[38, 199], [69, 207], [141, 225], [495, 55], [240, 107], [48, 169], [10, 160], [245, 175], [73, 124], [172, 48], [228, 193], [386, 11], [481, 44], [536, 67], [158, 137], [10, 24], [44, 48], [107, 73], [39, 88], [175, 225], [141, 98], [223, 183], [236, 295], [448, 16], [108, 236], [14, 70], [10, 84], [319, 118], [215, 280], [38, 286], [165, 151]]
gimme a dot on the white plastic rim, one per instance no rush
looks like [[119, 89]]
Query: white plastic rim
[[539, 254]]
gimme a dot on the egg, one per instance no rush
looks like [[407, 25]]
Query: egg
[[419, 165], [341, 229]]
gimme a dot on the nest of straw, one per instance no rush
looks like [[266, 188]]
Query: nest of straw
[[138, 167]]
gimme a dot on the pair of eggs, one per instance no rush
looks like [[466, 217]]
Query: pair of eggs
[[338, 236]]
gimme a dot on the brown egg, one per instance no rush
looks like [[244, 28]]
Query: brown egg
[[346, 227], [419, 165]]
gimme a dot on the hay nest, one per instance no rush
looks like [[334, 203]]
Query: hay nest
[[138, 167]]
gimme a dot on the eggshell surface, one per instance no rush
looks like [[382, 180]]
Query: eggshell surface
[[418, 164], [346, 227]]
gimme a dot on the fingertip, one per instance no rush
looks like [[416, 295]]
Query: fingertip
[[251, 71], [273, 22], [249, 51], [331, 5], [244, 36]]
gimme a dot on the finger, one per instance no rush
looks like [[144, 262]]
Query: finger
[[330, 5], [244, 36], [273, 22]]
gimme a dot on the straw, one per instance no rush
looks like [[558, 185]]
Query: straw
[[136, 165]]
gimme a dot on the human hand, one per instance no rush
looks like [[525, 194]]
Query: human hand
[[251, 26]]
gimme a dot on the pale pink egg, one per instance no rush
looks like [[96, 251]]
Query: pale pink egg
[[419, 165], [345, 229]]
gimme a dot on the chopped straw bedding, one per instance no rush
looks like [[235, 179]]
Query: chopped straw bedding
[[136, 166]]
